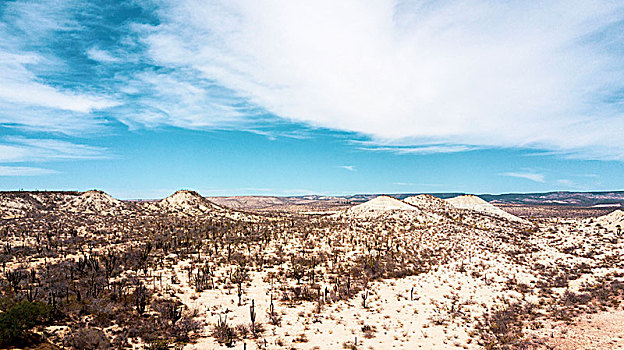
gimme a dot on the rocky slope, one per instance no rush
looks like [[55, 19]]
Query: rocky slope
[[92, 202], [427, 201], [188, 202], [28, 204], [612, 220], [379, 205]]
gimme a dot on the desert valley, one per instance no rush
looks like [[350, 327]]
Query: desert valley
[[311, 175], [84, 270]]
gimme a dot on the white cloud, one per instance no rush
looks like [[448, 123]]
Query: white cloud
[[102, 56], [20, 149], [476, 73], [528, 176], [416, 77], [24, 171], [18, 85], [26, 99], [37, 20], [179, 99], [433, 149], [34, 94]]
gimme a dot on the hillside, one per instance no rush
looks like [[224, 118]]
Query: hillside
[[427, 201], [91, 202], [475, 203], [381, 274], [380, 205], [612, 221]]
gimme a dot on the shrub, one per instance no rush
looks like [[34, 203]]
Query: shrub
[[223, 333], [89, 338], [158, 345], [20, 318], [183, 329]]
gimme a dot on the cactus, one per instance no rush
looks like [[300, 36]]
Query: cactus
[[239, 277], [252, 316], [224, 333], [140, 294], [364, 297]]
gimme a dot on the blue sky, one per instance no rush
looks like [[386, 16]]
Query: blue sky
[[140, 98]]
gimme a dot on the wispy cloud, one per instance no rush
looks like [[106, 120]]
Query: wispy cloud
[[421, 149], [102, 56], [347, 167], [461, 75], [21, 149], [23, 89], [489, 74], [181, 99], [27, 98], [535, 177], [24, 171]]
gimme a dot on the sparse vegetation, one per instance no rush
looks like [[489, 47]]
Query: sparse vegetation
[[114, 274], [17, 320]]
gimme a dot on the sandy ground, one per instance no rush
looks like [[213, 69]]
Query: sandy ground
[[473, 263]]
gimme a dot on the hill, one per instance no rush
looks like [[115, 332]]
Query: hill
[[477, 204], [427, 201], [613, 220], [380, 206], [94, 201]]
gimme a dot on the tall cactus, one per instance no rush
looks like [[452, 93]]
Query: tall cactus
[[364, 297], [252, 316]]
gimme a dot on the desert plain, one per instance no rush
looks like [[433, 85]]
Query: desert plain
[[388, 272]]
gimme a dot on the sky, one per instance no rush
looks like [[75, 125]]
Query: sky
[[140, 98]]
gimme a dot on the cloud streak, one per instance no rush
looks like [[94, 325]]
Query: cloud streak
[[103, 56], [20, 149], [535, 177], [25, 171], [422, 150], [29, 98]]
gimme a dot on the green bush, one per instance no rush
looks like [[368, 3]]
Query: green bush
[[18, 319]]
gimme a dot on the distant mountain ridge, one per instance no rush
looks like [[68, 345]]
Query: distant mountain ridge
[[549, 198], [562, 197], [17, 203], [538, 198]]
